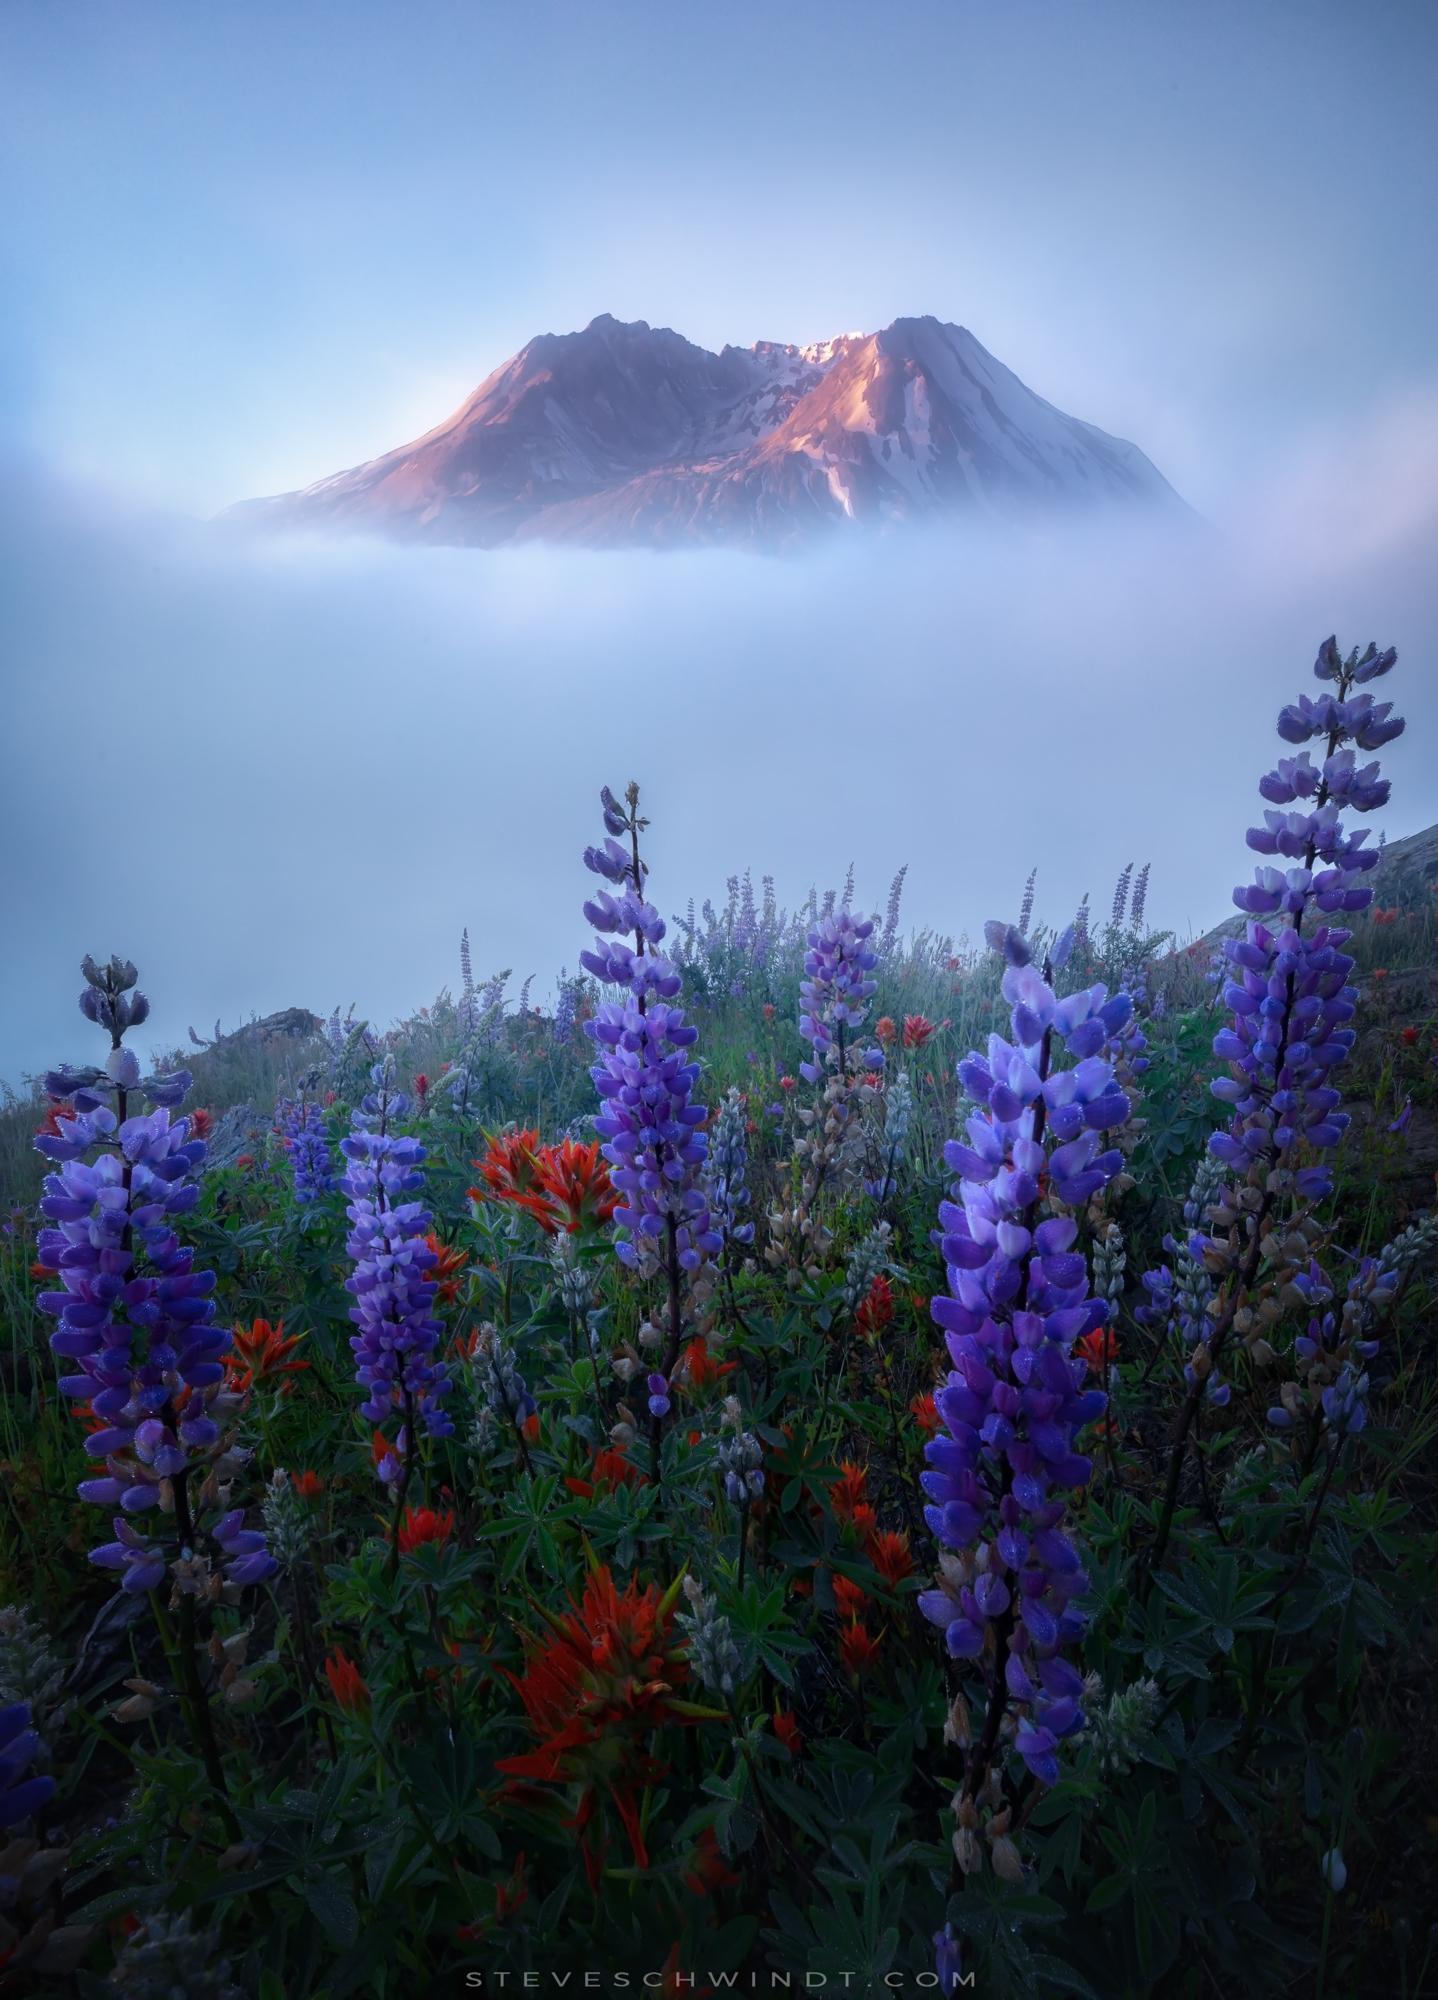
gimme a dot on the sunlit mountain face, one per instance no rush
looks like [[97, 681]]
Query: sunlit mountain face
[[629, 435]]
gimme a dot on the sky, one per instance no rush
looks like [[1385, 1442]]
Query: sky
[[246, 245]]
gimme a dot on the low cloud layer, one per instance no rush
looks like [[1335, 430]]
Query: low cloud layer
[[288, 774]]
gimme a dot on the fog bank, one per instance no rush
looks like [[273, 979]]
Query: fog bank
[[289, 773]]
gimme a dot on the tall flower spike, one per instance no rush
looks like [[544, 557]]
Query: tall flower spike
[[649, 1124], [1288, 986], [1291, 1008], [727, 1168], [392, 1283], [134, 1315], [303, 1135], [835, 994], [1018, 1300]]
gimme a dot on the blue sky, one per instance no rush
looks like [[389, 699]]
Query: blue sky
[[245, 245], [250, 243]]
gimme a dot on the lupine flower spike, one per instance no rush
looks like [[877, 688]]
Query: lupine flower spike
[[1017, 1303]]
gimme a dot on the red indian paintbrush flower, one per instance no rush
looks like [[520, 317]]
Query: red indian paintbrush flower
[[850, 1490], [444, 1271], [261, 1353], [308, 1485], [575, 1177], [697, 1368], [877, 1309], [1099, 1348], [609, 1469], [706, 1868], [858, 1649], [508, 1170], [917, 1030], [888, 1550], [563, 1187], [420, 1525], [347, 1683], [786, 1728], [925, 1412], [849, 1599], [608, 1673]]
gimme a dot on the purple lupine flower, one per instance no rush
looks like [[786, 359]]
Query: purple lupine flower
[[649, 1126], [726, 1171], [394, 1293], [466, 978], [836, 989], [1292, 1003], [1120, 897], [19, 1744], [1288, 985], [134, 1315], [1026, 907], [1018, 1299], [948, 1963], [658, 1386], [891, 913], [1081, 927], [303, 1135], [565, 1007], [1140, 899]]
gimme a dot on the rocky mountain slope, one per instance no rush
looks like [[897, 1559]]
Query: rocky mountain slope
[[627, 434]]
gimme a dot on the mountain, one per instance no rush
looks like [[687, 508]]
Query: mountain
[[627, 434]]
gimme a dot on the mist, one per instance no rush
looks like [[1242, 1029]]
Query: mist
[[288, 773]]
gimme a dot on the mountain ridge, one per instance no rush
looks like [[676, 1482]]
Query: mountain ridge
[[627, 434]]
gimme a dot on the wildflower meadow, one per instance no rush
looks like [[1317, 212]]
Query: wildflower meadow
[[826, 1459]]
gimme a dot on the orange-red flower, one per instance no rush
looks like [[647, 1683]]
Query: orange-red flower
[[201, 1123], [884, 1028], [917, 1030], [1410, 1036], [888, 1550], [261, 1353], [849, 1600], [1386, 916], [850, 1490], [877, 1309], [308, 1485], [444, 1271], [609, 1468], [698, 1368], [575, 1177], [608, 1673], [562, 1187], [925, 1413], [420, 1525], [858, 1649], [706, 1868], [508, 1170], [347, 1683], [58, 1114], [511, 1896], [786, 1728], [1099, 1349], [788, 1083]]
